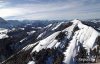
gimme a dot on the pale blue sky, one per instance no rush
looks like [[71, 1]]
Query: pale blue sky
[[49, 9]]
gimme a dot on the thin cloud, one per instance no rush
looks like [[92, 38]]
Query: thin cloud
[[6, 12], [50, 9]]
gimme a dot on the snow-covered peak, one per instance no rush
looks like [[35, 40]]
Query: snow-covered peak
[[76, 21], [85, 35], [79, 24]]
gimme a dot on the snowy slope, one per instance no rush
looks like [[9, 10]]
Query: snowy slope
[[3, 33], [46, 42]]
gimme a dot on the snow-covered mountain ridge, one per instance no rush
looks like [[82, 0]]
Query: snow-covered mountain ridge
[[86, 35], [66, 38]]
